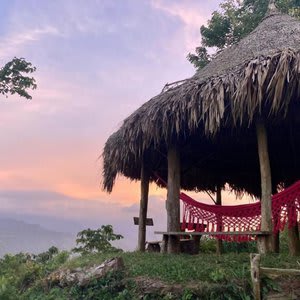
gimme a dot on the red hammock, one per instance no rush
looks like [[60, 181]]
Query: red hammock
[[241, 218]]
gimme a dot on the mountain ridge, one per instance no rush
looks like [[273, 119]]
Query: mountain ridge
[[20, 236]]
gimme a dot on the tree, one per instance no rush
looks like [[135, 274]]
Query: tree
[[96, 240], [46, 256], [234, 21], [200, 59], [13, 79]]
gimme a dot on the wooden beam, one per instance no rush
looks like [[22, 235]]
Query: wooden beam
[[149, 221], [195, 233], [266, 243], [143, 208], [274, 272], [173, 205]]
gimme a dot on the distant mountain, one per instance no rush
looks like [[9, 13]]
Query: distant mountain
[[18, 236]]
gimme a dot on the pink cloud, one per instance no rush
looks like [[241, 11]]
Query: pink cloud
[[13, 44], [192, 14]]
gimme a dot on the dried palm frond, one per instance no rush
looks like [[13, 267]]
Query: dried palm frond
[[258, 77]]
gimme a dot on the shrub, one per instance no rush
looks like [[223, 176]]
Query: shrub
[[97, 240]]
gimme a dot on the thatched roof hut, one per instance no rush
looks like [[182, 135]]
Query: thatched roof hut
[[212, 118], [211, 112]]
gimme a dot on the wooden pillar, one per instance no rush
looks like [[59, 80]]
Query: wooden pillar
[[277, 242], [143, 208], [173, 205], [294, 242], [219, 221], [276, 236], [255, 275], [266, 242]]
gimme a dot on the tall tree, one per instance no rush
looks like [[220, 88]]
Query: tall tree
[[234, 20], [13, 79]]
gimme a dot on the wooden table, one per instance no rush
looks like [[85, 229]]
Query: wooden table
[[197, 235]]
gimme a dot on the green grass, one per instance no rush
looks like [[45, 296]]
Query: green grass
[[186, 268], [220, 277]]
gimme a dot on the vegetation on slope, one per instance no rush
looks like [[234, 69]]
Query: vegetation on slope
[[146, 275]]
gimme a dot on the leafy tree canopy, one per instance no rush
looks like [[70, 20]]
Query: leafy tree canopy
[[13, 79], [234, 20], [96, 240]]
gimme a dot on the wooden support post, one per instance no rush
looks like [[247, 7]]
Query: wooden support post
[[255, 275], [293, 234], [266, 242], [219, 221], [277, 242], [173, 207], [164, 246], [294, 242], [196, 244], [276, 237], [143, 208]]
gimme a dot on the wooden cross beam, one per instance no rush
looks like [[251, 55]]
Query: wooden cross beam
[[149, 221]]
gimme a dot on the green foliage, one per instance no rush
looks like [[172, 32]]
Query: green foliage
[[21, 273], [18, 272], [217, 275], [284, 241], [56, 261], [46, 256], [200, 59], [230, 291], [7, 291], [268, 285], [291, 7], [110, 287], [187, 268], [38, 293], [13, 79], [249, 247], [216, 34], [204, 276], [97, 240], [208, 245], [232, 22]]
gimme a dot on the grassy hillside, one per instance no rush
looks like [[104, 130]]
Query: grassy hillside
[[204, 276]]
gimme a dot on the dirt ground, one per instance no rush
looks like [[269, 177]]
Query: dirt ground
[[289, 289]]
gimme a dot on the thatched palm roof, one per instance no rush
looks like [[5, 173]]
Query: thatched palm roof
[[211, 116]]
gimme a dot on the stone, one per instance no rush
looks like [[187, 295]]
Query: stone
[[83, 276]]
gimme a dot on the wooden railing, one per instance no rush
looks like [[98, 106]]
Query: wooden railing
[[257, 271]]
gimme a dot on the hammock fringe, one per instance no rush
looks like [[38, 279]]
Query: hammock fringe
[[241, 218]]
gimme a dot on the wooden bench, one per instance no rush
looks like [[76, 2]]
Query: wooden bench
[[194, 234], [188, 244]]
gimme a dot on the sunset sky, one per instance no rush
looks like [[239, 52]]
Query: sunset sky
[[97, 61]]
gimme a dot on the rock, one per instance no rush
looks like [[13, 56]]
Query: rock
[[83, 276]]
